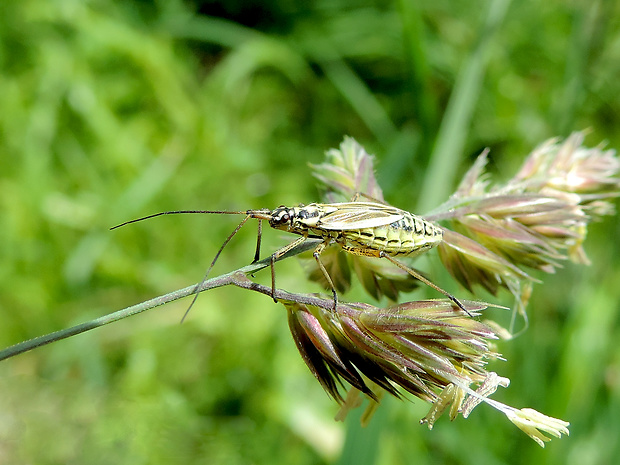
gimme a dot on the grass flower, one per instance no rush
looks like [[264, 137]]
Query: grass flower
[[418, 346], [536, 220], [430, 349]]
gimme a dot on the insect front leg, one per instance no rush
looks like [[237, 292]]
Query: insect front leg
[[317, 256], [277, 254]]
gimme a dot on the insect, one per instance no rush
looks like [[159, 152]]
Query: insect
[[369, 229]]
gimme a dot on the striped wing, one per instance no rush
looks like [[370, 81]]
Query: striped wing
[[359, 215]]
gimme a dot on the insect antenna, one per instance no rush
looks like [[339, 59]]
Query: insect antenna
[[177, 212], [217, 255], [260, 215]]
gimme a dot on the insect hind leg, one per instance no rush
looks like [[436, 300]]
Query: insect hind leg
[[419, 277]]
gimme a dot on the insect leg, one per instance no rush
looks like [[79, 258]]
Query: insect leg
[[259, 236], [418, 276], [317, 253], [277, 254]]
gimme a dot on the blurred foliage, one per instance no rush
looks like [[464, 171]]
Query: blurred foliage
[[112, 110]]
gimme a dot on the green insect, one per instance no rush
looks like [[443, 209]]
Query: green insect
[[369, 229]]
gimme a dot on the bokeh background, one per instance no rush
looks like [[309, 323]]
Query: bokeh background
[[113, 110]]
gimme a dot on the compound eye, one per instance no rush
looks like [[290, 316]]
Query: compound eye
[[280, 217]]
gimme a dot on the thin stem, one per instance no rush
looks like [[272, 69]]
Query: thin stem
[[237, 278]]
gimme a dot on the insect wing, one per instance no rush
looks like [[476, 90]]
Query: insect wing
[[359, 215]]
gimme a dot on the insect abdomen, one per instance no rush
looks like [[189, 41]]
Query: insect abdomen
[[409, 236]]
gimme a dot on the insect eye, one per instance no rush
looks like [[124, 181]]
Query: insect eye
[[280, 217]]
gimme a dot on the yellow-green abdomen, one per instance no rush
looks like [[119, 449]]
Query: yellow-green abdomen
[[409, 236]]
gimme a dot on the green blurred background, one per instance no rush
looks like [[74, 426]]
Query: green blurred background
[[113, 110]]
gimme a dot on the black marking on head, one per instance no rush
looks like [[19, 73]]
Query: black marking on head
[[281, 215]]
